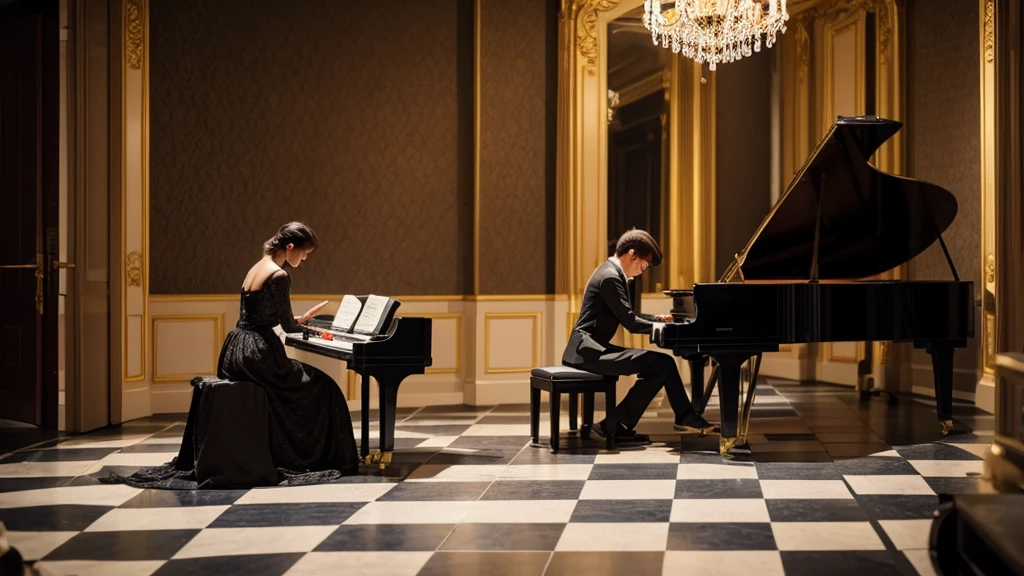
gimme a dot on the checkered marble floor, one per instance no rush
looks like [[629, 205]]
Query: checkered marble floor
[[821, 492]]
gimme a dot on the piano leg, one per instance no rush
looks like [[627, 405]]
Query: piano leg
[[387, 387], [729, 395], [697, 362], [364, 401], [942, 372]]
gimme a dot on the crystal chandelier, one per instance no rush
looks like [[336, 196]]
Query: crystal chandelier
[[715, 31]]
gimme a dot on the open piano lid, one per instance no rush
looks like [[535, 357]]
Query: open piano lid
[[871, 221]]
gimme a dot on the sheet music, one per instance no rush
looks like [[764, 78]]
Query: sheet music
[[373, 311], [348, 310]]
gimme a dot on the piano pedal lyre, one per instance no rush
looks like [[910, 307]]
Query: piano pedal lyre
[[947, 427], [381, 459]]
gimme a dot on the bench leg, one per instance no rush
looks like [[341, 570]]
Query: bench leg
[[609, 403], [556, 406], [588, 409], [573, 408], [535, 414]]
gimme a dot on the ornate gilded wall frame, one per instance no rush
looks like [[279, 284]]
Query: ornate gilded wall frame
[[133, 269], [134, 26]]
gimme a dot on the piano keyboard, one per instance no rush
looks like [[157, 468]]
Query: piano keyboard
[[339, 344]]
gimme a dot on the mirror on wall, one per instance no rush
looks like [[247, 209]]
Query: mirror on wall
[[638, 139]]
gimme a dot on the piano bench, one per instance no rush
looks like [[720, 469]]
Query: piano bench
[[558, 380]]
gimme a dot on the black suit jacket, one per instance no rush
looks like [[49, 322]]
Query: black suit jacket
[[605, 307]]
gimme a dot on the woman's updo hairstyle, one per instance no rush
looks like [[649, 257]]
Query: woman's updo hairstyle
[[295, 233]]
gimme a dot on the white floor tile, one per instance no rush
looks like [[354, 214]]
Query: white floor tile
[[613, 537], [887, 454], [238, 541], [697, 471], [724, 563], [423, 512], [176, 440], [35, 545], [360, 563], [455, 473], [44, 469], [822, 536], [908, 534], [140, 459], [706, 510], [93, 442], [901, 484], [979, 450], [947, 468], [921, 560], [437, 442], [101, 495], [520, 511], [547, 472], [804, 489], [499, 430], [184, 518], [628, 490], [440, 421], [316, 493], [93, 568], [649, 455]]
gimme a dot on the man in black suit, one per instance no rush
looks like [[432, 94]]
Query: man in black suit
[[605, 307]]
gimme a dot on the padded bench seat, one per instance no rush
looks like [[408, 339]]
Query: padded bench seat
[[558, 380]]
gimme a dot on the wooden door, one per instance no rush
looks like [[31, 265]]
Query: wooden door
[[29, 132]]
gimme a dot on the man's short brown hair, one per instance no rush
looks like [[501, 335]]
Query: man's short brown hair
[[642, 244]]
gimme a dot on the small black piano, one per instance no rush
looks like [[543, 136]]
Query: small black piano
[[387, 348], [796, 280]]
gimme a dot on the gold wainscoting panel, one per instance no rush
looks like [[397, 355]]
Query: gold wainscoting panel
[[537, 340], [457, 316], [831, 356], [855, 22], [218, 339], [570, 321]]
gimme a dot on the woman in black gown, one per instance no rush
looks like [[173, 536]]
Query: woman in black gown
[[310, 428]]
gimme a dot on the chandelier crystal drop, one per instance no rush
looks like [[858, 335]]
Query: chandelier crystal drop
[[715, 31]]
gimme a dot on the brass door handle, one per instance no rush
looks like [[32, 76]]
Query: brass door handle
[[57, 265]]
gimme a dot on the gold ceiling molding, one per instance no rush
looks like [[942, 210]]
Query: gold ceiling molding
[[133, 33], [586, 25]]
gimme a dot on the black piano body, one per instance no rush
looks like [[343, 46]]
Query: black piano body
[[403, 349], [839, 220]]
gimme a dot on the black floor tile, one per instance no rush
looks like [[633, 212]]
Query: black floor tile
[[485, 457], [296, 514], [178, 498], [63, 518], [745, 488], [386, 537], [815, 510], [897, 507], [968, 485], [605, 564], [19, 484], [634, 472], [61, 455], [489, 563], [123, 546], [935, 451], [151, 448], [436, 491], [622, 511], [504, 537], [721, 536], [797, 471], [250, 565], [542, 455], [874, 465], [534, 490], [852, 563]]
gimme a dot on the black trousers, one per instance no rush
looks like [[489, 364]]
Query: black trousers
[[655, 369]]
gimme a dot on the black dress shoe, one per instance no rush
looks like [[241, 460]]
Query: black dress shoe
[[631, 436]]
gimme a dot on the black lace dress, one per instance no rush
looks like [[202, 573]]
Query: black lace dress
[[310, 428]]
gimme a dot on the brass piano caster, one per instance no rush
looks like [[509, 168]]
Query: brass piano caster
[[725, 444], [947, 427], [381, 459]]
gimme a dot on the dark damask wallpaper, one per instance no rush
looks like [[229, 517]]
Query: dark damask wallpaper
[[942, 129], [518, 94], [350, 117]]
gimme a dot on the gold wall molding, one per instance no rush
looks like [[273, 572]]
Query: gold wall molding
[[133, 38], [586, 29], [457, 316], [133, 268], [989, 30], [536, 344], [988, 129], [218, 339]]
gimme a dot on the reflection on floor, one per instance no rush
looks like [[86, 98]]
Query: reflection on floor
[[17, 435], [832, 485]]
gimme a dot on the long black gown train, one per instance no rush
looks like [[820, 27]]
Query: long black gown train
[[310, 428]]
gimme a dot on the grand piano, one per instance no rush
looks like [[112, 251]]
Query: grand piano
[[396, 348], [801, 276]]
